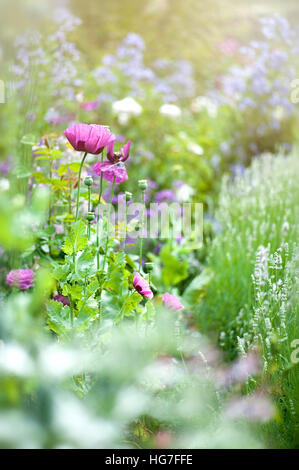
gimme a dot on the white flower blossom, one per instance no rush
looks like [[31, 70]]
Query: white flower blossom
[[4, 184], [126, 108], [203, 103], [170, 110]]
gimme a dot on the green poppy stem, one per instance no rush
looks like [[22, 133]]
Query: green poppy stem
[[107, 239], [89, 209], [141, 228], [79, 185], [98, 217], [125, 234]]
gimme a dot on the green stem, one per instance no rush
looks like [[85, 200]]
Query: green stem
[[141, 229], [70, 202], [98, 217], [89, 210], [125, 234], [72, 311], [50, 198], [79, 184], [107, 239]]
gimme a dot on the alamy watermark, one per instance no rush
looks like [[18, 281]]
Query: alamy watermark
[[156, 220]]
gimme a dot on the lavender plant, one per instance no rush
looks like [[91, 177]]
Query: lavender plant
[[252, 289]]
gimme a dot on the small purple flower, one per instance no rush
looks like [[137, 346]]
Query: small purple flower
[[111, 171], [172, 302], [62, 299], [21, 278], [142, 286]]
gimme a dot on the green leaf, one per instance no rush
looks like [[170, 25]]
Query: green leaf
[[60, 272], [150, 311], [77, 240], [117, 274], [59, 319], [174, 270], [130, 304], [73, 292], [40, 178], [197, 288], [85, 266]]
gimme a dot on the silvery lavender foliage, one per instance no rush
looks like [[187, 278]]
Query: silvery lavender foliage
[[172, 81], [260, 85], [269, 238], [259, 242]]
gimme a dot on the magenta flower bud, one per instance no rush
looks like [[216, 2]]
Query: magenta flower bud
[[172, 302], [90, 138], [111, 171], [21, 278], [120, 156], [62, 299], [142, 286]]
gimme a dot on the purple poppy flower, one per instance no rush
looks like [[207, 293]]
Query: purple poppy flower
[[62, 299], [142, 286], [120, 156], [90, 138], [21, 278], [172, 302], [111, 172]]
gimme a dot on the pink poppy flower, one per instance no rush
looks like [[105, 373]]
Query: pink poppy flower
[[21, 278], [172, 302], [90, 138], [62, 299], [120, 156], [111, 171], [142, 286]]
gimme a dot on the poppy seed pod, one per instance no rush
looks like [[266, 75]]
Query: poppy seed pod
[[148, 267], [88, 181], [128, 196], [89, 216], [142, 184]]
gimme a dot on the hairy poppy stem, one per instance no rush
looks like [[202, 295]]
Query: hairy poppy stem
[[79, 185]]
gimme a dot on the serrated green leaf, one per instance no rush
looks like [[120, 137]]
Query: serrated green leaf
[[77, 240]]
